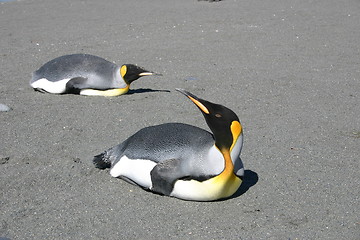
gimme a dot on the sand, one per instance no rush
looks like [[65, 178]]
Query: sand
[[289, 69]]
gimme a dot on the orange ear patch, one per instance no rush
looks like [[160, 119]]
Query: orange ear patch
[[123, 70], [236, 130]]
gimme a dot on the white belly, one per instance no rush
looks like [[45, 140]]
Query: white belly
[[138, 170], [51, 87]]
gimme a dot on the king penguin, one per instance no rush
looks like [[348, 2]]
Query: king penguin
[[181, 160], [86, 74]]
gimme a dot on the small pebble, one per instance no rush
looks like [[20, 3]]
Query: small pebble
[[4, 160], [4, 108]]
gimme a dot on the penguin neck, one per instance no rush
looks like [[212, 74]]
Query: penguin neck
[[236, 130], [228, 163], [227, 182]]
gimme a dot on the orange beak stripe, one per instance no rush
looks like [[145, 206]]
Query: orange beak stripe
[[199, 104], [146, 74]]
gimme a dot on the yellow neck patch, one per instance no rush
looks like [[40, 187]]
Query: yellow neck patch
[[123, 70], [229, 166], [227, 178]]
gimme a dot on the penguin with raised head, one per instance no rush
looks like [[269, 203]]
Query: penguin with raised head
[[180, 160], [86, 74]]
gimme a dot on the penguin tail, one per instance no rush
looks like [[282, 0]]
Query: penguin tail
[[102, 161]]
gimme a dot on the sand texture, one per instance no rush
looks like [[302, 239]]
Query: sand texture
[[289, 69]]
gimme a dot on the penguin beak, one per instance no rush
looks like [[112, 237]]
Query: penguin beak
[[195, 100], [147, 73]]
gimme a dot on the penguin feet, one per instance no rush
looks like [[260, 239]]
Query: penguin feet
[[101, 161], [40, 90]]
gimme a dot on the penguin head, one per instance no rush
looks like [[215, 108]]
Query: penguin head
[[222, 121], [131, 72]]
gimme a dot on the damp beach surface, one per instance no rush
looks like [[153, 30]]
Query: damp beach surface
[[289, 69]]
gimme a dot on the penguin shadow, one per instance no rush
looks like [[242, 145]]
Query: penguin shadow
[[249, 180], [145, 90]]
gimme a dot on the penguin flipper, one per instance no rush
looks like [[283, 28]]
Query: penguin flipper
[[75, 85], [164, 175]]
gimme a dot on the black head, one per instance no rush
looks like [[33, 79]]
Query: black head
[[131, 72], [222, 121]]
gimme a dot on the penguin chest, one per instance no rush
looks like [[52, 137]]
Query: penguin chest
[[109, 86], [137, 170], [212, 189], [224, 183]]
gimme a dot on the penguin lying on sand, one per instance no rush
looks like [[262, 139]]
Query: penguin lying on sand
[[86, 75], [181, 160]]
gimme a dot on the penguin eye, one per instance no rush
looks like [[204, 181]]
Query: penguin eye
[[218, 115]]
